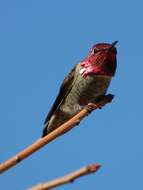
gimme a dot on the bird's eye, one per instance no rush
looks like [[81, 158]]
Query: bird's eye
[[94, 50]]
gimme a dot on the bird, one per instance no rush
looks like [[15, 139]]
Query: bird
[[86, 83]]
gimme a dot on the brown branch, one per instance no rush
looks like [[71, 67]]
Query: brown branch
[[57, 132], [68, 178]]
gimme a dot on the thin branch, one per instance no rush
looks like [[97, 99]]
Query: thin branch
[[68, 178], [54, 134]]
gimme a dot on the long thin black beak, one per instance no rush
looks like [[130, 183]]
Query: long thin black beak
[[114, 43]]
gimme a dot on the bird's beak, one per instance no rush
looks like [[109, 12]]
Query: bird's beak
[[114, 43]]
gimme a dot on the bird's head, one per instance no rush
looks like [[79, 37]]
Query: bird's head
[[101, 60]]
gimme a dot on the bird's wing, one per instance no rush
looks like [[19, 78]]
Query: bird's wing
[[64, 90]]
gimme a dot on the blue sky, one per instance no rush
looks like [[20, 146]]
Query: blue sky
[[40, 41]]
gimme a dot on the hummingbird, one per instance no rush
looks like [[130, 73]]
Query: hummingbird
[[86, 83]]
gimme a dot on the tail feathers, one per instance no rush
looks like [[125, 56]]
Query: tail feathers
[[48, 128], [45, 130]]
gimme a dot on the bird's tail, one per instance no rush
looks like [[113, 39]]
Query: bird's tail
[[44, 133]]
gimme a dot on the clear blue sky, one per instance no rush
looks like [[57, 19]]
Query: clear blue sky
[[40, 41]]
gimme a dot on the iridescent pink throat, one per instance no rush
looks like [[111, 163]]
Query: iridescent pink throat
[[89, 69]]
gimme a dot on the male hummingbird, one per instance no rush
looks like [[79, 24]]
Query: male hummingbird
[[86, 83]]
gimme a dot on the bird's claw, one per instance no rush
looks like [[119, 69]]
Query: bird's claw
[[91, 106]]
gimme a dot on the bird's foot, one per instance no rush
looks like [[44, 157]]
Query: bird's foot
[[100, 103], [91, 106]]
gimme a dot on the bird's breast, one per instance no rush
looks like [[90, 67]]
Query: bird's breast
[[85, 90]]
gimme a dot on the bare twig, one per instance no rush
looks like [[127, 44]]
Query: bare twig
[[68, 178], [51, 136]]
